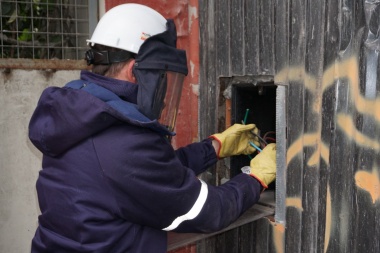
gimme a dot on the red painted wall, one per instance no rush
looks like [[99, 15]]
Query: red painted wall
[[185, 15]]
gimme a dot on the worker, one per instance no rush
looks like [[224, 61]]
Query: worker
[[110, 179]]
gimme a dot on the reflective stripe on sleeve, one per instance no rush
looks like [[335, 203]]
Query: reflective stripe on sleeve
[[194, 211]]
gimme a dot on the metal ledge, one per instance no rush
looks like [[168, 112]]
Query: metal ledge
[[265, 207]]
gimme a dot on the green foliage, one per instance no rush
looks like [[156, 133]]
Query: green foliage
[[25, 35], [38, 29]]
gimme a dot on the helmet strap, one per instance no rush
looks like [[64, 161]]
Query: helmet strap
[[107, 57]]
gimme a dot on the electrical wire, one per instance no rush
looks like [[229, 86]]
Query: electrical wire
[[270, 139], [267, 133], [254, 145], [260, 138]]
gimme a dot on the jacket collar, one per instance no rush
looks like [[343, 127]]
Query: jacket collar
[[124, 89]]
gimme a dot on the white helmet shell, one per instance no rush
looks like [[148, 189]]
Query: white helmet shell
[[127, 26]]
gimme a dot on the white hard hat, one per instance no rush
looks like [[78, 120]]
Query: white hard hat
[[127, 26]]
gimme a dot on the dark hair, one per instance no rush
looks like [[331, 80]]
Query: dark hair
[[109, 70]]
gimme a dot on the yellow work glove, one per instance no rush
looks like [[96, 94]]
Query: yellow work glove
[[235, 140], [263, 166]]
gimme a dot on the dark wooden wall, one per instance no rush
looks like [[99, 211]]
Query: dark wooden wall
[[326, 53], [237, 39]]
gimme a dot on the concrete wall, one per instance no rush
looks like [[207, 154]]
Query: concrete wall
[[19, 160]]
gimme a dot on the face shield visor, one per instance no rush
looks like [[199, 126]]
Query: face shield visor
[[160, 69], [169, 92]]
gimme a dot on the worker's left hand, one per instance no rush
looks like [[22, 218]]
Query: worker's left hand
[[235, 140]]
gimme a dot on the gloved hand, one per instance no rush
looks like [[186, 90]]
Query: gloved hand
[[263, 166], [235, 140]]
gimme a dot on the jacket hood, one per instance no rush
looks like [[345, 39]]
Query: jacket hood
[[66, 116]]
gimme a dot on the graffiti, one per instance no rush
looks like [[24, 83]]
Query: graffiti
[[294, 202], [347, 126], [328, 58], [369, 182], [328, 219], [278, 234], [348, 71]]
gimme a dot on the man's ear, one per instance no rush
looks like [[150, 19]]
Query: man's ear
[[129, 71]]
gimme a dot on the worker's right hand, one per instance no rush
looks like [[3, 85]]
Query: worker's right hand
[[235, 140], [263, 166]]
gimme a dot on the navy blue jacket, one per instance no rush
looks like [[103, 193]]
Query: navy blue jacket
[[111, 181]]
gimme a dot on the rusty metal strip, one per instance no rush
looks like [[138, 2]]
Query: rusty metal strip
[[10, 63]]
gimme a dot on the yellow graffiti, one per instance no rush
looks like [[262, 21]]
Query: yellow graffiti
[[325, 153], [309, 140], [348, 127], [279, 237], [294, 202], [296, 74], [293, 150], [349, 69], [328, 219], [344, 69], [369, 182], [313, 139]]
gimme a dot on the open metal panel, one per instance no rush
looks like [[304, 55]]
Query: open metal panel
[[264, 104]]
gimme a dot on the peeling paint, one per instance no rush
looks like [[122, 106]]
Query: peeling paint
[[192, 66], [193, 14], [195, 88]]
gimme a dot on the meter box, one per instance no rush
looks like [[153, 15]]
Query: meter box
[[253, 104]]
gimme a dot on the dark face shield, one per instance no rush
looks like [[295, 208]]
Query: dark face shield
[[160, 69]]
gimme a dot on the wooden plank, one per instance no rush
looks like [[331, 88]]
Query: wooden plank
[[223, 40], [237, 37], [251, 38], [330, 54], [314, 22], [281, 53], [341, 182], [295, 129], [366, 207], [227, 242], [262, 239], [247, 238], [266, 33], [207, 86]]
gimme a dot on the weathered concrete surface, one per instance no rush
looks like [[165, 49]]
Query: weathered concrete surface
[[19, 160]]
